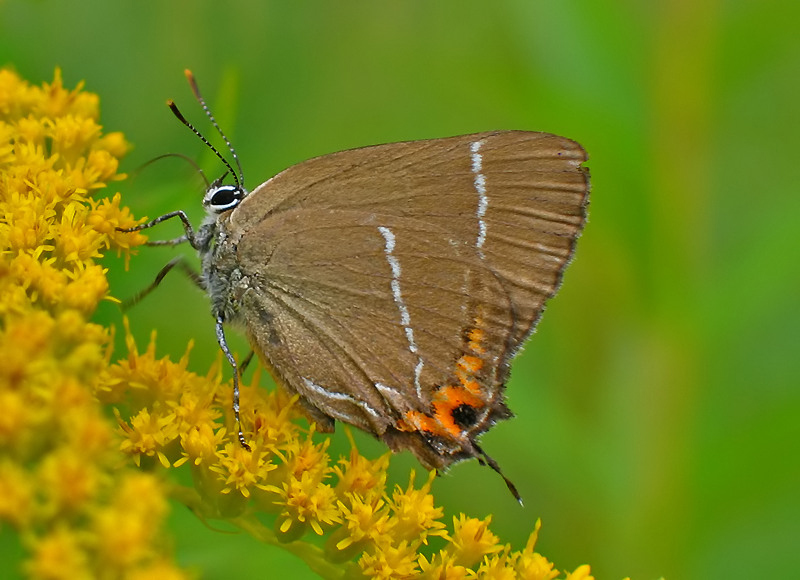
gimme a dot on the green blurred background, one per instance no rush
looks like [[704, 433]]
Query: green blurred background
[[658, 409]]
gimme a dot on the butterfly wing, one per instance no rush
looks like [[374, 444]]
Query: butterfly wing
[[391, 286]]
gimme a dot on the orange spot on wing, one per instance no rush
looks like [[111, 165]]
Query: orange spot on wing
[[417, 421], [471, 364], [448, 398], [466, 367], [473, 387], [476, 337], [441, 423]]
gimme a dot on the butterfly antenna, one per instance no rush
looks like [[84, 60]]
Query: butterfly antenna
[[175, 111], [202, 101], [186, 158]]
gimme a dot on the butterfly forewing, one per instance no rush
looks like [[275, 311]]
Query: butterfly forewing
[[390, 286]]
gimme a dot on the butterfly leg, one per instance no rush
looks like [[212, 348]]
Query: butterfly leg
[[189, 236], [223, 344], [246, 362], [172, 242], [177, 261], [483, 458]]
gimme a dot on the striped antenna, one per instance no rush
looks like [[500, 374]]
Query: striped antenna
[[202, 101], [175, 111]]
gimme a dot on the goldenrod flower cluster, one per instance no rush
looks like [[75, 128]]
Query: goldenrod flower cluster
[[88, 446], [77, 508]]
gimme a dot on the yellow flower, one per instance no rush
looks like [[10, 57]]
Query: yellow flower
[[124, 528], [57, 554], [533, 566], [271, 417], [305, 502], [361, 477], [75, 240], [68, 481], [85, 288], [393, 561], [147, 435], [200, 443], [16, 495], [194, 409], [580, 573], [108, 215], [536, 567], [471, 540], [63, 487], [161, 569], [415, 515], [242, 468], [442, 566], [497, 566], [367, 520], [27, 223]]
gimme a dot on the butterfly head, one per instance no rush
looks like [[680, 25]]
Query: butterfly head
[[219, 198], [222, 198]]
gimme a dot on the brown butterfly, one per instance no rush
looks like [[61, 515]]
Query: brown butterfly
[[391, 286]]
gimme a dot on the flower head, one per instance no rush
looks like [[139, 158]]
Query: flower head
[[79, 511]]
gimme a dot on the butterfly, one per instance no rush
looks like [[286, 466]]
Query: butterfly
[[391, 286]]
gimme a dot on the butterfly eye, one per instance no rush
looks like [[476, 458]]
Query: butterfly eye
[[223, 198]]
